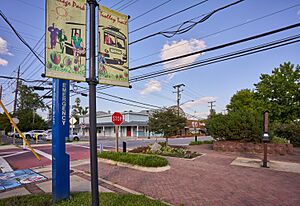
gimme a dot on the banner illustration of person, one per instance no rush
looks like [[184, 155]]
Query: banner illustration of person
[[65, 39], [113, 47]]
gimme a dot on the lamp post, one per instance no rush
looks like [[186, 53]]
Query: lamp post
[[265, 138], [191, 100]]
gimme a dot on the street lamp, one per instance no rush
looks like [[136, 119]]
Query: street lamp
[[191, 100]]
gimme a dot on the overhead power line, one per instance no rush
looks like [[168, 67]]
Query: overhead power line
[[220, 31], [190, 24], [169, 16], [19, 36], [219, 46], [150, 10], [237, 54]]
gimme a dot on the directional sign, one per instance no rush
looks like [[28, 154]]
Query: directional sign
[[117, 118], [73, 120]]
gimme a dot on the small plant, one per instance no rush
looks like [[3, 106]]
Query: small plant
[[278, 140]]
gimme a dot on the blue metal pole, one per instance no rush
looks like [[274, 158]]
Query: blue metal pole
[[60, 131]]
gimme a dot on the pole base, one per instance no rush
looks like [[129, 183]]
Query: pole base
[[265, 164]]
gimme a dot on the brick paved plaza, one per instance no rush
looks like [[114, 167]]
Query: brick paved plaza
[[211, 180]]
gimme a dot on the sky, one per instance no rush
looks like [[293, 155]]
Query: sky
[[215, 82]]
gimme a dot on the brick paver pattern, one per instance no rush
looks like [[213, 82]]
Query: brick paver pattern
[[210, 180]]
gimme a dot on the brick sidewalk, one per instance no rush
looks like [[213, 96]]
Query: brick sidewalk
[[210, 180]]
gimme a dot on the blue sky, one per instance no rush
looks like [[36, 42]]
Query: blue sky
[[213, 82]]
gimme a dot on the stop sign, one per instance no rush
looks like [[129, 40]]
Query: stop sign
[[117, 118]]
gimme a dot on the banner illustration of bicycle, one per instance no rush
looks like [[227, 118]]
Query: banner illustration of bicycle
[[66, 39], [113, 47]]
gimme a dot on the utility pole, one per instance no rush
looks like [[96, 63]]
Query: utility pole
[[211, 106], [0, 92], [178, 91], [92, 81], [16, 93], [15, 103]]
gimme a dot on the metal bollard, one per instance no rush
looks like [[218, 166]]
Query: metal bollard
[[196, 138], [124, 147], [101, 148]]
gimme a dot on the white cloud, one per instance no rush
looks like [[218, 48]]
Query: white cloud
[[198, 102], [298, 12], [150, 87], [3, 62], [201, 115], [177, 48], [3, 47]]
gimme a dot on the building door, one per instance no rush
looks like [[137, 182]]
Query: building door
[[128, 131]]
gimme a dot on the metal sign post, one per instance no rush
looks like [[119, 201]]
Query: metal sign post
[[117, 119], [92, 81], [60, 131]]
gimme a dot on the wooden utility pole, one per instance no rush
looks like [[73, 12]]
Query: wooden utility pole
[[16, 93], [177, 87], [15, 103], [211, 106], [0, 92]]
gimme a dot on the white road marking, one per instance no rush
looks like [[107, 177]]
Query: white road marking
[[48, 156], [4, 166], [10, 155]]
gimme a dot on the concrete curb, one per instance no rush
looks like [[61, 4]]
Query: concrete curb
[[123, 188], [145, 169]]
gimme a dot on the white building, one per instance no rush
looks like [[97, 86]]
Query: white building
[[134, 125]]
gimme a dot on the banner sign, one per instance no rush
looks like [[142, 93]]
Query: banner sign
[[66, 39], [113, 47]]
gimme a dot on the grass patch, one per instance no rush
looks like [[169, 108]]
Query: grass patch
[[82, 199], [201, 142], [135, 159]]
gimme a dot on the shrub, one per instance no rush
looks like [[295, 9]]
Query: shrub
[[245, 125], [278, 140], [289, 131], [135, 159]]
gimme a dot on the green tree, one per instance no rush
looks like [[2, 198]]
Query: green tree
[[27, 105], [281, 92], [245, 100], [4, 122], [166, 122], [78, 110], [28, 100]]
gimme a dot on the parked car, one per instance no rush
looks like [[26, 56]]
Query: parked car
[[74, 137], [32, 134], [48, 136]]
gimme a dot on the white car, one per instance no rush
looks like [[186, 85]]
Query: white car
[[48, 136], [32, 134]]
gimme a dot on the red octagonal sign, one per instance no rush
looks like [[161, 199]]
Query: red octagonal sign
[[117, 118]]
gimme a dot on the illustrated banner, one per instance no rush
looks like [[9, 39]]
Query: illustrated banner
[[66, 39], [113, 47]]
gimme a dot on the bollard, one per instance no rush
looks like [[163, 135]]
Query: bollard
[[36, 138], [101, 148], [196, 138], [124, 147]]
